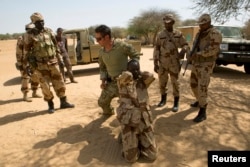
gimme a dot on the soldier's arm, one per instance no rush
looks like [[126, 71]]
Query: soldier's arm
[[66, 43], [156, 52], [19, 51], [213, 47], [132, 53], [103, 69]]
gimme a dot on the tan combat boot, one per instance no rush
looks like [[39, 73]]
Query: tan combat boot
[[35, 95], [25, 97]]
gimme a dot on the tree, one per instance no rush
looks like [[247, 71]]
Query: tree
[[149, 23], [222, 10], [246, 30], [188, 22]]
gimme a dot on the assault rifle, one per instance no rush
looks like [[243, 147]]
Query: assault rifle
[[192, 51]]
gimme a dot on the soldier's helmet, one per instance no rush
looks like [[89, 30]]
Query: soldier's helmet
[[168, 18], [133, 66], [29, 26], [205, 18], [36, 17]]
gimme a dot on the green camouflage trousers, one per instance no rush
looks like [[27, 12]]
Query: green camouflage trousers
[[50, 73], [166, 69], [107, 94], [199, 81], [33, 79]]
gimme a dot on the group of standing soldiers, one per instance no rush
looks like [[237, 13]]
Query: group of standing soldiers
[[121, 77], [38, 55], [202, 57]]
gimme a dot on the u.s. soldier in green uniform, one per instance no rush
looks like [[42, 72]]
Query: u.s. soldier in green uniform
[[113, 59]]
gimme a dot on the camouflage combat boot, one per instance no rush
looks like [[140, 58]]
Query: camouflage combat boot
[[65, 104], [25, 97], [35, 95], [201, 115]]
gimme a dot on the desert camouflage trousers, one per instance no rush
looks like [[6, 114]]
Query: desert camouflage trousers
[[107, 94], [25, 79], [50, 74], [169, 67], [139, 140], [199, 81]]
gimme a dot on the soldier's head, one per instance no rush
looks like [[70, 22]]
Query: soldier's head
[[59, 31], [133, 66], [204, 21], [37, 20], [29, 26], [102, 34], [168, 21]]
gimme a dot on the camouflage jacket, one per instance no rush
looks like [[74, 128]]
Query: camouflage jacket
[[167, 44], [134, 100], [208, 45]]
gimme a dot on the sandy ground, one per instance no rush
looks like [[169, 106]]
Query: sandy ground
[[30, 137]]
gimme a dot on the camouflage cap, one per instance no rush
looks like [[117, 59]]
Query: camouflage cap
[[36, 17], [29, 26], [205, 18], [168, 18], [125, 77]]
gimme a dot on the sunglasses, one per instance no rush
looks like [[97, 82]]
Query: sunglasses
[[98, 39]]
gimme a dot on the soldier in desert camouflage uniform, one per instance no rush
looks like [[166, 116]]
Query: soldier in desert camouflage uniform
[[113, 59], [208, 41], [22, 65], [42, 43], [167, 59], [134, 114]]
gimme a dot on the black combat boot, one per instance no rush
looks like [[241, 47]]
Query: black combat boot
[[163, 100], [65, 104], [195, 104], [201, 115], [51, 106], [176, 104]]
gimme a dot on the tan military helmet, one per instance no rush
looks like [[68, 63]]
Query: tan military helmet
[[36, 17], [203, 19], [168, 18]]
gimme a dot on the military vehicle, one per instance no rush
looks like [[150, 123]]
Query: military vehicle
[[234, 49], [83, 48]]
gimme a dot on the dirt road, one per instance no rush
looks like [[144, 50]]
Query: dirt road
[[30, 137]]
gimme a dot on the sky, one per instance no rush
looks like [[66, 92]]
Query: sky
[[70, 14]]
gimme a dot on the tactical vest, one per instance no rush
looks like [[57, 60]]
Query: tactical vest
[[43, 45]]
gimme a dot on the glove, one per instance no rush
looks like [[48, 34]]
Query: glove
[[61, 64], [156, 68]]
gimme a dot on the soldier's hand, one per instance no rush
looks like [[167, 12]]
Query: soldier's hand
[[103, 85], [20, 67], [181, 54], [156, 68], [28, 71]]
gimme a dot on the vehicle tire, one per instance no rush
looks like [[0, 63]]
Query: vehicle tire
[[247, 68]]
